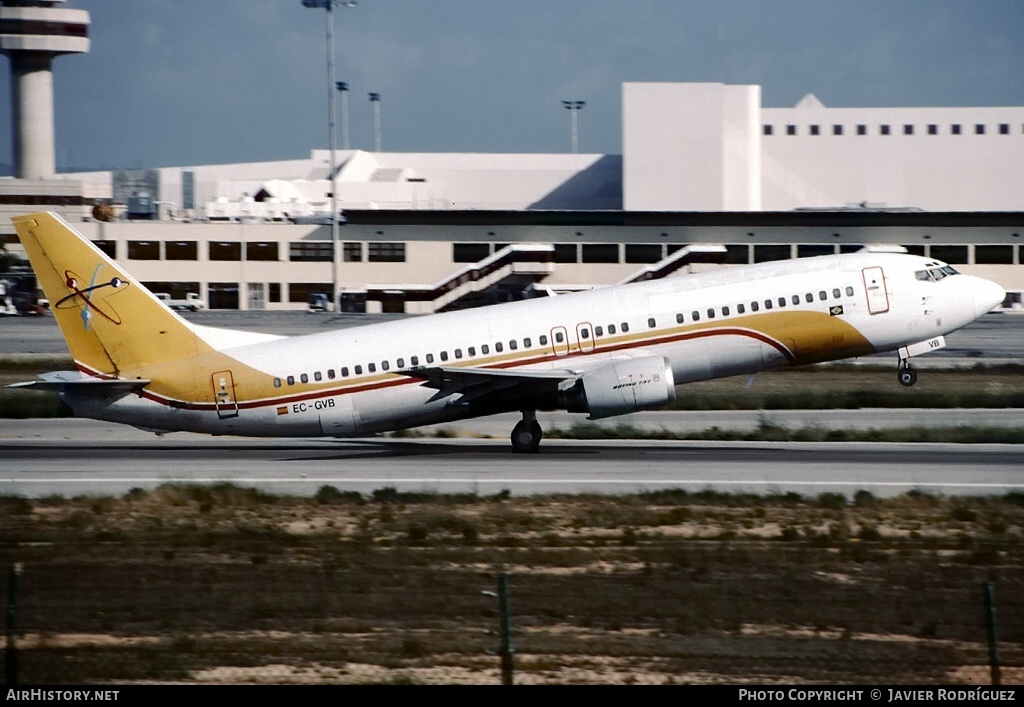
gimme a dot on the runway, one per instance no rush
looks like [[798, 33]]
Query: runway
[[73, 457]]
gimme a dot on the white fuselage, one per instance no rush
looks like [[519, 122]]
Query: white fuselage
[[721, 323]]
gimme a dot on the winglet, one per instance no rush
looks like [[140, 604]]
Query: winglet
[[112, 324]]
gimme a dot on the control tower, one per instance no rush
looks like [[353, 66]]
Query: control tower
[[31, 35]]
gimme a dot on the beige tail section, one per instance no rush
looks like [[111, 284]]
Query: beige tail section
[[112, 324]]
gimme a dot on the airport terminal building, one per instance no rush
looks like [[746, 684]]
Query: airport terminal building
[[707, 178]]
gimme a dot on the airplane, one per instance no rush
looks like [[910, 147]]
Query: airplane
[[604, 352]]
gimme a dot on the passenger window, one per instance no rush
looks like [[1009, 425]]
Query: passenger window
[[485, 349], [782, 301], [695, 315], [796, 299], [740, 309], [836, 293], [471, 351], [400, 363], [651, 323], [277, 382], [809, 297], [598, 331], [849, 292], [754, 306], [711, 313], [318, 376], [499, 347], [611, 330], [415, 361], [559, 337], [527, 344], [512, 344], [344, 372], [359, 370], [330, 373], [291, 380], [767, 304], [444, 355], [430, 358], [458, 353], [679, 318], [543, 340], [584, 334], [384, 365], [304, 378], [725, 311], [371, 367], [823, 295], [625, 326]]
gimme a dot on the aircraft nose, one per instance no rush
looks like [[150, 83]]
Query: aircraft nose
[[987, 295]]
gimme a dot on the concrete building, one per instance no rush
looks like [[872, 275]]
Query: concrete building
[[708, 178]]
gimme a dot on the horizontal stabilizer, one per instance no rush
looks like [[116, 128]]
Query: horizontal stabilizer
[[80, 383]]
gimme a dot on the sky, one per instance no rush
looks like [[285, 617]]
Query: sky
[[187, 82]]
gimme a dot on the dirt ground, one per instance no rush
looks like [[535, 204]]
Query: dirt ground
[[228, 585]]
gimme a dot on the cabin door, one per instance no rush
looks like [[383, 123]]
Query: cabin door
[[874, 288], [224, 394]]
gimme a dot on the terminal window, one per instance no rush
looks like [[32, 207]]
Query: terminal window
[[261, 250], [933, 129], [311, 251], [221, 250], [386, 252], [767, 130], [815, 130], [144, 250], [791, 130], [837, 129], [181, 250]]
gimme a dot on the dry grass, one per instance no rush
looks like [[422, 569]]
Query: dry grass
[[224, 584]]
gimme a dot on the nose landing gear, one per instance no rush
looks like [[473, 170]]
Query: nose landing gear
[[907, 376], [526, 435]]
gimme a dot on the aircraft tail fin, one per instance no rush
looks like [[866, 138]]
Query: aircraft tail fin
[[112, 324]]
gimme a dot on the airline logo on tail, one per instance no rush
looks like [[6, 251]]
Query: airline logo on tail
[[93, 302]]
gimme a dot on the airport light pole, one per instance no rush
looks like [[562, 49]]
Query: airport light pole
[[375, 100], [329, 5], [343, 90], [574, 107]]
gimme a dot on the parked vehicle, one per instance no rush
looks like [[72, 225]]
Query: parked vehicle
[[192, 301]]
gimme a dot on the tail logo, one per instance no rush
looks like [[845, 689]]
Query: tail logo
[[94, 303]]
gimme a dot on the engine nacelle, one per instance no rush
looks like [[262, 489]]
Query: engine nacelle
[[621, 387]]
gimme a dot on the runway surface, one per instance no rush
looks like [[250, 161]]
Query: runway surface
[[73, 457]]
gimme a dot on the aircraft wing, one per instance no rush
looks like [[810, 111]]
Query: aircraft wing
[[471, 384]]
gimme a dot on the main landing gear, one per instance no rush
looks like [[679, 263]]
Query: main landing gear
[[526, 435], [906, 375]]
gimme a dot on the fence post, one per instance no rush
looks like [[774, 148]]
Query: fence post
[[993, 638], [11, 654], [507, 651]]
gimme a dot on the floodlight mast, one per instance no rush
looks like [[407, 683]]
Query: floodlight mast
[[332, 170], [574, 107]]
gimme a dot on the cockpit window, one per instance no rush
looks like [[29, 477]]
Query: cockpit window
[[935, 274]]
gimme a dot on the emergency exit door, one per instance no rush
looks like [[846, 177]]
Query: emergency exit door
[[224, 394]]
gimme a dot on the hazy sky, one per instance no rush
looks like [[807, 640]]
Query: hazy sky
[[178, 82]]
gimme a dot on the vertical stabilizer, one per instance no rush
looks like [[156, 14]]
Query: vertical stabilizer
[[111, 323]]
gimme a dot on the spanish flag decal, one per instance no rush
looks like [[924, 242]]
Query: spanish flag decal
[[283, 410]]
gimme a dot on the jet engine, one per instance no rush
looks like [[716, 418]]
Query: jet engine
[[625, 386]]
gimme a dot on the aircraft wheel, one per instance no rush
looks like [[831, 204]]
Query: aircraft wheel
[[907, 376], [526, 436]]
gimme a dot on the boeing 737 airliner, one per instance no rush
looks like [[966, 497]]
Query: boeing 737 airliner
[[604, 352]]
